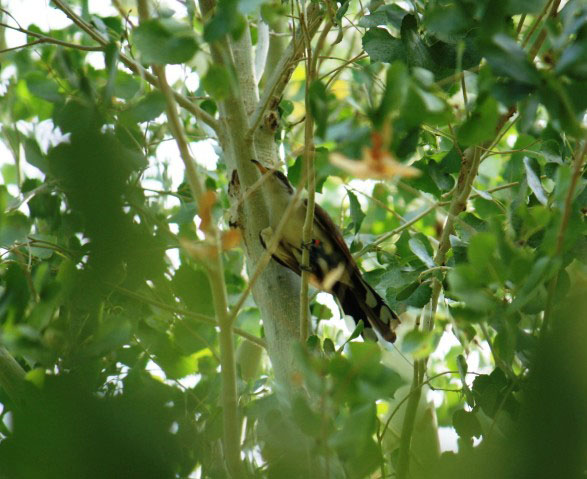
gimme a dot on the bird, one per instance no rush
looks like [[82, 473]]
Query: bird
[[332, 267]]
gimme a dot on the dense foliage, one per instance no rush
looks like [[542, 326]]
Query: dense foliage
[[111, 363]]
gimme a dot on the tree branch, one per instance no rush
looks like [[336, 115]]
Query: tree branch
[[46, 39]]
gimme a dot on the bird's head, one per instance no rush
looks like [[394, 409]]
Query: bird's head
[[277, 182]]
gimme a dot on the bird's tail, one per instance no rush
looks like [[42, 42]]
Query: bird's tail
[[361, 301]]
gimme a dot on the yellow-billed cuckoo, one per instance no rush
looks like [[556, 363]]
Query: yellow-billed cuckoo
[[332, 267]]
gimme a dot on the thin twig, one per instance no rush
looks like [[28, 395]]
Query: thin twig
[[535, 24], [396, 231], [520, 24], [356, 58], [456, 76], [407, 396], [311, 178], [379, 203], [542, 35], [46, 39]]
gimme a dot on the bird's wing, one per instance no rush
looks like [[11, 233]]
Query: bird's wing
[[284, 254], [331, 231]]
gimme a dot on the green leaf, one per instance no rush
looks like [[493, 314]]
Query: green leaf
[[306, 419], [463, 368], [357, 214], [193, 288], [125, 86], [420, 343], [396, 89], [448, 19], [406, 292], [507, 58], [558, 100], [320, 106], [451, 162], [517, 7], [551, 152], [481, 250], [40, 251], [466, 424], [357, 331], [541, 271], [480, 126], [365, 356], [111, 56], [340, 13], [573, 61], [177, 366], [421, 252], [533, 177], [34, 156], [294, 172], [43, 86], [420, 297], [320, 311], [184, 214], [328, 346], [489, 391], [286, 107], [147, 109], [165, 41], [417, 52], [114, 333], [443, 181], [227, 19], [13, 227], [313, 343], [357, 429], [217, 82], [385, 15], [382, 47], [466, 283], [422, 106]]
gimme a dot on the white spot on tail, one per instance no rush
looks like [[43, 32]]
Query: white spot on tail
[[385, 315], [370, 299]]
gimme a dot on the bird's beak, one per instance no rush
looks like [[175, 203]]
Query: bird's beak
[[260, 167]]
